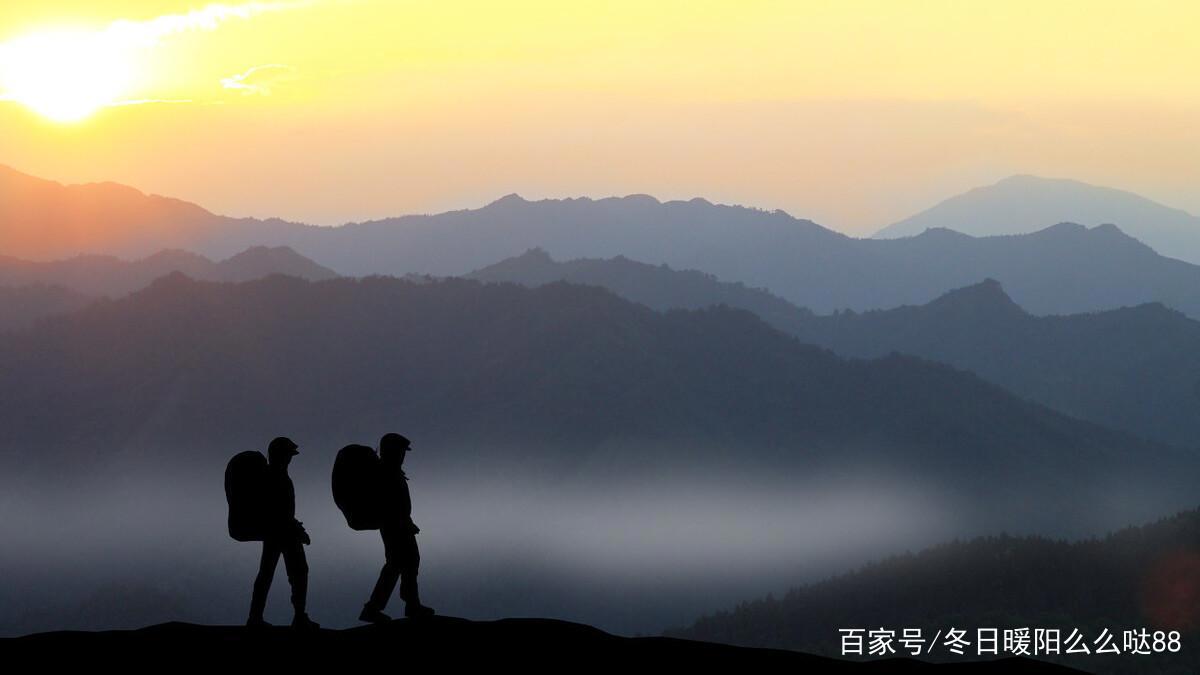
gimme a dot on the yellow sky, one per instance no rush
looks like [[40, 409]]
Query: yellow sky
[[851, 113]]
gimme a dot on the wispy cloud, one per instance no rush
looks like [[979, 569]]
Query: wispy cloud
[[209, 17], [128, 34], [260, 79]]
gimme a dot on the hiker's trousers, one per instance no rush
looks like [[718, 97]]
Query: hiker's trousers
[[402, 559], [297, 573]]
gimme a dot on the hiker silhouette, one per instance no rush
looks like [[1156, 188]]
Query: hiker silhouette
[[283, 535], [398, 531]]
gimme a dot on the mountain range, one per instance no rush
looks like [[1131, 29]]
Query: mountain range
[[544, 377], [1062, 269], [31, 291], [1022, 204], [99, 275], [659, 287], [1135, 578], [1132, 368], [43, 220]]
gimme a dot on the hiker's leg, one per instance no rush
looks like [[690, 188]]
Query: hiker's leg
[[297, 572], [390, 572], [262, 582], [409, 563]]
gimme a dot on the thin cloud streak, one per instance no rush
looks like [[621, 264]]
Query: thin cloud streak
[[147, 33], [240, 82]]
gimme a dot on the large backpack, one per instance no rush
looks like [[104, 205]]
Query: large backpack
[[245, 491], [356, 486]]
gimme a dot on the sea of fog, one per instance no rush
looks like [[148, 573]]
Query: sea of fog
[[629, 551]]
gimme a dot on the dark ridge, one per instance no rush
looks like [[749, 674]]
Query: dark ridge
[[441, 642], [1142, 576]]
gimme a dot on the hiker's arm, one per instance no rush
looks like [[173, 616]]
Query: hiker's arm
[[301, 533]]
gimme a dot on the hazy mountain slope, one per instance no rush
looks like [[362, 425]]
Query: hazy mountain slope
[[558, 372], [638, 226], [257, 262], [105, 275], [43, 220], [1062, 269], [1134, 578], [1022, 204], [656, 286], [1134, 368], [22, 306]]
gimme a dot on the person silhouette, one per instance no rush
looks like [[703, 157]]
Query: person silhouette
[[284, 536], [399, 534]]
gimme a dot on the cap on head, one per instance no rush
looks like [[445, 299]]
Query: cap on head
[[391, 442], [282, 447]]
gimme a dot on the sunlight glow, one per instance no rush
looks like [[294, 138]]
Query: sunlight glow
[[65, 75]]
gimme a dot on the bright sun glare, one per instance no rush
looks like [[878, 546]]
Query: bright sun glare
[[65, 75]]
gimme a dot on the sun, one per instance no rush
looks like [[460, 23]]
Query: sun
[[65, 75]]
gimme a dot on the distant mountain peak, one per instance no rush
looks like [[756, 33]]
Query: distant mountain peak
[[512, 199], [984, 298], [1106, 232], [535, 261], [1065, 227], [943, 233], [1109, 228], [639, 198], [1023, 204], [258, 261]]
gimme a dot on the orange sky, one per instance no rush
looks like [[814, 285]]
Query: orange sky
[[852, 113]]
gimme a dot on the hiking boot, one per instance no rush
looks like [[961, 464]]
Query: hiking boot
[[373, 616], [257, 622], [304, 623], [415, 610]]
